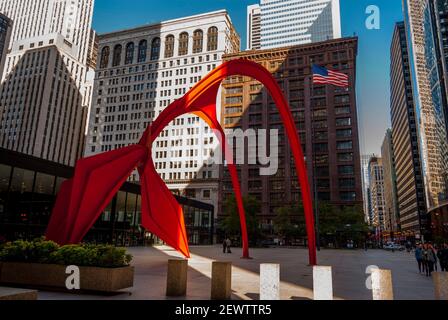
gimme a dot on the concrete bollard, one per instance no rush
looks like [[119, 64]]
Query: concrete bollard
[[221, 281], [269, 281], [440, 285], [322, 283], [382, 288], [176, 281]]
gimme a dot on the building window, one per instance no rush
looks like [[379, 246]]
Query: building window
[[206, 194], [190, 193], [342, 99], [117, 55], [345, 157], [198, 41], [105, 53], [344, 145], [348, 183], [348, 196], [212, 39], [344, 133], [346, 170], [342, 110], [155, 49], [142, 48], [169, 46], [129, 53], [322, 171], [343, 122], [183, 44]]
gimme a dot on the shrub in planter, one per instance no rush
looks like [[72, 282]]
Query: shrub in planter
[[37, 251], [48, 252], [43, 264], [105, 256]]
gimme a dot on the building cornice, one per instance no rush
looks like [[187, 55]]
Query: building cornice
[[158, 25], [285, 51]]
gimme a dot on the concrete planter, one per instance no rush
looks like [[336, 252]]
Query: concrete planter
[[54, 276]]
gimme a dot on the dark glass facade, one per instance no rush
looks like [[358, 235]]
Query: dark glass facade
[[326, 120], [5, 33], [410, 184], [28, 188]]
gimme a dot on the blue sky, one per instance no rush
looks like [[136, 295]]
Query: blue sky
[[373, 56]]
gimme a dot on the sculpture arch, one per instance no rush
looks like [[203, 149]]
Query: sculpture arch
[[97, 179]]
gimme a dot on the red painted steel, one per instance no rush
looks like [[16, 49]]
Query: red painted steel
[[97, 179]]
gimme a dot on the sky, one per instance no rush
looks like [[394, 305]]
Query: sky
[[373, 56]]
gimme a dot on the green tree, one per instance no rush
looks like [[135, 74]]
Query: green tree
[[231, 223], [289, 222], [336, 223], [342, 222]]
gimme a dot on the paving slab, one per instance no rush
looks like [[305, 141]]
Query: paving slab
[[349, 274]]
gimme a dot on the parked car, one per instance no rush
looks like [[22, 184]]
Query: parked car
[[267, 243], [393, 247]]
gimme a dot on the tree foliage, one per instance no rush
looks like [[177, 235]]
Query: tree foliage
[[342, 222], [231, 223]]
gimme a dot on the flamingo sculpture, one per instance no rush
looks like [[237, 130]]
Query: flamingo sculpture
[[97, 179]]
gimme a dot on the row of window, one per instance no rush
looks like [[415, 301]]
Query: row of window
[[198, 44]]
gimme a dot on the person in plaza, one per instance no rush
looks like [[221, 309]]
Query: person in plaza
[[429, 258], [442, 255], [228, 245], [435, 248], [408, 246], [419, 258], [224, 246]]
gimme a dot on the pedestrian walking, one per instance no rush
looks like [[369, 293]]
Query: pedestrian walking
[[224, 246], [408, 246], [419, 258], [228, 245], [442, 254], [436, 262], [429, 257]]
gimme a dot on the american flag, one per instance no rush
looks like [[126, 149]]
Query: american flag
[[322, 75]]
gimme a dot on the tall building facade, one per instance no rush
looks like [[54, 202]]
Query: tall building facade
[[253, 27], [294, 22], [410, 182], [5, 36], [326, 118], [140, 72], [391, 210], [437, 17], [377, 193], [46, 83], [427, 82], [365, 160]]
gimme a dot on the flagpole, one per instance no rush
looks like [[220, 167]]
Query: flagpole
[[314, 164]]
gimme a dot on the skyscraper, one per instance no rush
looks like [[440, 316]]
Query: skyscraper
[[377, 193], [325, 116], [253, 27], [438, 15], [391, 210], [5, 35], [365, 160], [46, 83], [427, 82], [410, 184], [144, 69], [293, 22]]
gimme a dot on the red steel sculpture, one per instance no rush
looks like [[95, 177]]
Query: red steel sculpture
[[82, 199]]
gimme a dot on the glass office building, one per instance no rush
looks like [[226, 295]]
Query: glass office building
[[429, 101], [28, 188], [293, 22]]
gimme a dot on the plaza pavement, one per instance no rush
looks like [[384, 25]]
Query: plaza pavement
[[349, 274]]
